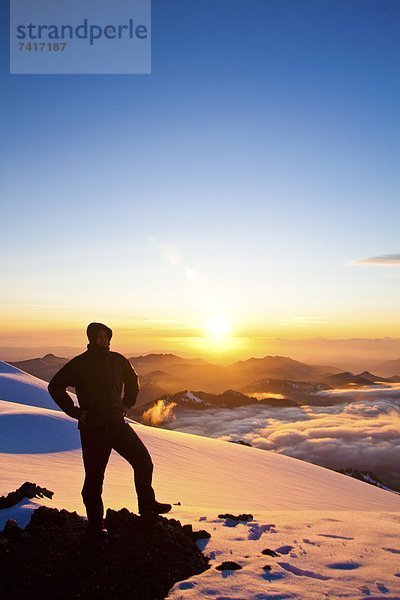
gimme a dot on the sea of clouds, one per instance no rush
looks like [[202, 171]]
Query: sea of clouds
[[362, 432]]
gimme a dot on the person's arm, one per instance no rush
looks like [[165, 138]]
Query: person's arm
[[57, 387], [131, 384]]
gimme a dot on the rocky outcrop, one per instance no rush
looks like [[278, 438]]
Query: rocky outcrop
[[240, 517], [143, 557], [26, 490]]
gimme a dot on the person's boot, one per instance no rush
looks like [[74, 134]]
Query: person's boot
[[155, 508], [96, 531], [96, 534]]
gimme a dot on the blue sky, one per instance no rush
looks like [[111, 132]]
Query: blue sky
[[239, 178]]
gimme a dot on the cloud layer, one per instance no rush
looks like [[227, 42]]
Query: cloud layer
[[387, 260], [361, 433]]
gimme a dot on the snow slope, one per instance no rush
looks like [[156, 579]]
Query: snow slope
[[335, 536], [18, 386]]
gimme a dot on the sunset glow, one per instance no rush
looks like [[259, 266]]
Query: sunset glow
[[209, 215], [218, 326]]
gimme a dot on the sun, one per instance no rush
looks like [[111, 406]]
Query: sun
[[217, 326], [217, 337]]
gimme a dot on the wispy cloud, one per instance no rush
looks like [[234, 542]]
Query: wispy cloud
[[303, 321], [49, 305], [170, 253], [386, 260], [159, 413]]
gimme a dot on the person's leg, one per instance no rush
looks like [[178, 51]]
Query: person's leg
[[129, 445], [96, 450]]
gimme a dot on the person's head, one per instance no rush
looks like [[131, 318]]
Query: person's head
[[102, 338], [99, 334]]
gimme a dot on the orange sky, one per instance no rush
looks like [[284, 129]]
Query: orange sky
[[216, 339]]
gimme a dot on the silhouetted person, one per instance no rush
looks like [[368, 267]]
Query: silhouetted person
[[99, 377]]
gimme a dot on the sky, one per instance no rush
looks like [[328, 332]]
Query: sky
[[246, 189]]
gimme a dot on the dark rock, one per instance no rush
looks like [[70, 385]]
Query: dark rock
[[367, 477], [242, 442], [27, 490], [200, 535], [47, 521], [195, 535], [11, 529], [241, 517], [229, 564], [269, 552], [141, 558], [267, 567]]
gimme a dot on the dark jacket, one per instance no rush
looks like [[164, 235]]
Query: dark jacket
[[99, 377]]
